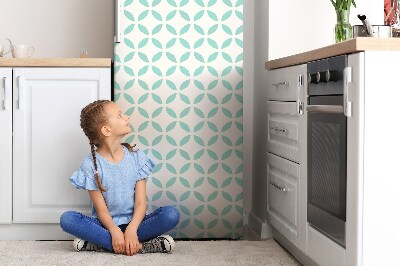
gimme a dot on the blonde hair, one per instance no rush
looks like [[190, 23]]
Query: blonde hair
[[93, 117]]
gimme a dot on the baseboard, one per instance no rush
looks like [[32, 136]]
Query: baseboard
[[260, 228], [33, 232]]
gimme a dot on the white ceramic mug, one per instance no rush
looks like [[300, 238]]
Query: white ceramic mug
[[22, 51], [2, 53]]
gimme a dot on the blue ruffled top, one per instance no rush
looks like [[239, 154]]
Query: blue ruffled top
[[118, 178]]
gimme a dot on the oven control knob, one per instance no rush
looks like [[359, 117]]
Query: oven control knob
[[333, 76], [314, 78], [328, 75], [324, 76]]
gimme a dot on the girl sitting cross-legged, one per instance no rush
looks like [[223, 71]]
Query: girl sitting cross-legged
[[115, 176]]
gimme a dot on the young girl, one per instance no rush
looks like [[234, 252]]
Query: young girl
[[115, 176]]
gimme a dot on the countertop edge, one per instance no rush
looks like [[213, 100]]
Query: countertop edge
[[347, 47], [55, 62]]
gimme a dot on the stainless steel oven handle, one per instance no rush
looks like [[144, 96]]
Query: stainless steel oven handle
[[279, 187], [346, 80], [335, 109]]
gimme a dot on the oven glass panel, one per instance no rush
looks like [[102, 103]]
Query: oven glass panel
[[327, 163]]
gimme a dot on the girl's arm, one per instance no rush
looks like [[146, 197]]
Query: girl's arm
[[104, 217], [132, 244], [140, 204]]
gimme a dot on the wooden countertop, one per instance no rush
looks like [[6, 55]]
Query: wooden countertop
[[55, 62], [348, 47]]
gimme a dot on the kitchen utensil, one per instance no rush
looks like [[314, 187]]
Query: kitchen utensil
[[382, 31], [367, 26], [368, 30], [2, 53], [395, 32], [22, 50]]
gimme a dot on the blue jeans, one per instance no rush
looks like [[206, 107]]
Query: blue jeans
[[88, 228]]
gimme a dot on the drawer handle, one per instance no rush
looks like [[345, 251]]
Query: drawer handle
[[284, 83], [5, 93], [20, 88], [280, 129], [279, 187]]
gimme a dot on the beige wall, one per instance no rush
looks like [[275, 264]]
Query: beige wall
[[60, 28], [303, 25]]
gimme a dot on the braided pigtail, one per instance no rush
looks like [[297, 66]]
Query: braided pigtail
[[128, 146], [92, 118], [96, 173]]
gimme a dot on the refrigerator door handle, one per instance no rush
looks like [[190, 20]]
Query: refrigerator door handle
[[117, 9]]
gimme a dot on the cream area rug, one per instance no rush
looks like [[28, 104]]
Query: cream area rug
[[219, 252]]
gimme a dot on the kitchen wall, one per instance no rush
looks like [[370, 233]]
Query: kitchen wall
[[59, 28], [302, 25]]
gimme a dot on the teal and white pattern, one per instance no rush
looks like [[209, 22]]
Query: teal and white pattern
[[179, 75]]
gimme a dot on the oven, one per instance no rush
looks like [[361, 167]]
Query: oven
[[327, 148]]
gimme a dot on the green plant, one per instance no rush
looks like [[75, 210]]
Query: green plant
[[343, 29], [343, 4]]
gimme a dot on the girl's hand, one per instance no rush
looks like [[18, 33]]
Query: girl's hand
[[132, 244], [118, 241]]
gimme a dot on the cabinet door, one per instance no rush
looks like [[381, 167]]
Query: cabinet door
[[5, 146], [48, 141]]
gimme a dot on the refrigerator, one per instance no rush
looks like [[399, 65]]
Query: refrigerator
[[178, 74]]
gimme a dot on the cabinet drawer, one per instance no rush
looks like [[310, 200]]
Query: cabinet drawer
[[283, 130], [283, 196], [283, 83]]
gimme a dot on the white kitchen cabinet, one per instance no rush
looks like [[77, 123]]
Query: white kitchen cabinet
[[47, 141], [372, 197], [373, 159], [5, 146], [285, 126]]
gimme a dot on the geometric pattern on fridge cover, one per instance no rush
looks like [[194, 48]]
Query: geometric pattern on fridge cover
[[179, 76]]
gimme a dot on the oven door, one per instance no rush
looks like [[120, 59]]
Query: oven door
[[326, 166]]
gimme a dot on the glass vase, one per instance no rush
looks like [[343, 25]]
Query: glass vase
[[343, 30]]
